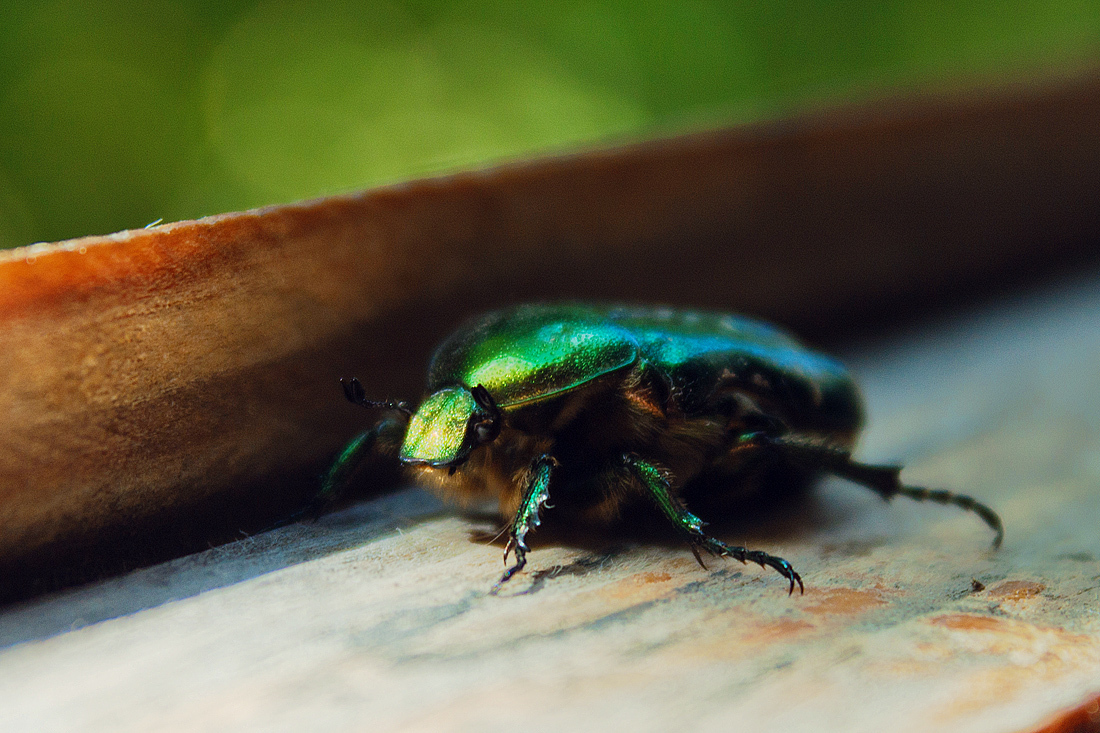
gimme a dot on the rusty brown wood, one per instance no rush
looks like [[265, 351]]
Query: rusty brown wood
[[161, 388]]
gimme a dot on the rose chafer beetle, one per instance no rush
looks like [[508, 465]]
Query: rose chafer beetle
[[600, 407]]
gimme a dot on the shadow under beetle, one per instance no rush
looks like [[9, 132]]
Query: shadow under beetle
[[601, 406]]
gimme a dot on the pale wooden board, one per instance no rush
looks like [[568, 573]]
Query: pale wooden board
[[378, 618]]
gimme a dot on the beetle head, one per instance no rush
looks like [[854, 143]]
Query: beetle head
[[450, 424]]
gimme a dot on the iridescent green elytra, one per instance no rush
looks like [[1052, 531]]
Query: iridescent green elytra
[[599, 407]]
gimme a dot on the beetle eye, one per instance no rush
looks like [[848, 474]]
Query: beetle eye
[[487, 431]]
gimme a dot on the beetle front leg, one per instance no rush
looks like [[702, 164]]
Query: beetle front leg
[[535, 495], [379, 439], [691, 526]]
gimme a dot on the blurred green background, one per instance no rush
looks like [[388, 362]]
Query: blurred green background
[[114, 113]]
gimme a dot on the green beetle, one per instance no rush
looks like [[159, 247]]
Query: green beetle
[[601, 406]]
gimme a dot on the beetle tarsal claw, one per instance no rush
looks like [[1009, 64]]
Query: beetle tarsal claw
[[698, 557], [521, 562], [759, 557]]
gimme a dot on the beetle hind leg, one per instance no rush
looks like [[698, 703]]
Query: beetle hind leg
[[691, 526], [943, 496], [883, 480], [886, 482]]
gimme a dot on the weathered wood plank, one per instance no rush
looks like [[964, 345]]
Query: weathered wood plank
[[379, 618]]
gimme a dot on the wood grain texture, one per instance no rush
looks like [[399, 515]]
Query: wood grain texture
[[379, 618], [162, 388]]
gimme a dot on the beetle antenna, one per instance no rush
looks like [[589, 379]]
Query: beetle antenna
[[356, 395]]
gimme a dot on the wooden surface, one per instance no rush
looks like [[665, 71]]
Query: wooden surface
[[378, 618], [162, 388]]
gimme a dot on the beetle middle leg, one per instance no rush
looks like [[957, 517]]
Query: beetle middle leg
[[691, 526], [536, 493]]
